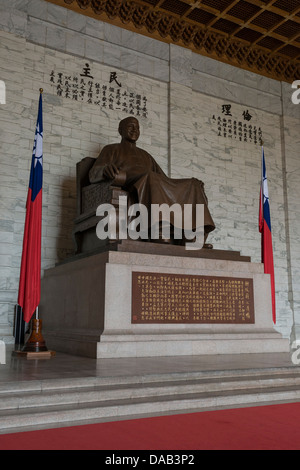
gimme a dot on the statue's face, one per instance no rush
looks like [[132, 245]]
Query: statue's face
[[131, 130]]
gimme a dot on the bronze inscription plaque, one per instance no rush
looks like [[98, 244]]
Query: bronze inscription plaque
[[174, 298]]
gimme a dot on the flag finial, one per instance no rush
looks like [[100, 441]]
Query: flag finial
[[41, 90]]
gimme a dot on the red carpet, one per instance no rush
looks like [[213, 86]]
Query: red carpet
[[274, 427]]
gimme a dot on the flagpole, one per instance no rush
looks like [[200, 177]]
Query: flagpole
[[37, 308], [266, 232]]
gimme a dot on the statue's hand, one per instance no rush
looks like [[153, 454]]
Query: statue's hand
[[110, 171]]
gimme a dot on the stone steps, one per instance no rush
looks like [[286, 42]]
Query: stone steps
[[38, 404]]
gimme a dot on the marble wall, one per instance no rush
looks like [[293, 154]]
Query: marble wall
[[291, 165], [41, 44]]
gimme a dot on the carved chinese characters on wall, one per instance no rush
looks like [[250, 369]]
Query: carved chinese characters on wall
[[173, 298], [109, 95], [237, 126]]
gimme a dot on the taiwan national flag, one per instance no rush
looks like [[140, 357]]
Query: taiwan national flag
[[265, 230], [30, 275]]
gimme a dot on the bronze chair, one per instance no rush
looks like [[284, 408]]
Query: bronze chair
[[89, 197]]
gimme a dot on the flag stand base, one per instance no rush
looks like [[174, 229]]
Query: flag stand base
[[34, 355], [35, 348]]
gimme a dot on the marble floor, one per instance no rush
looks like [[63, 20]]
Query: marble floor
[[68, 366]]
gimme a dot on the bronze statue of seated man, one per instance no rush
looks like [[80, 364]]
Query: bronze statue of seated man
[[144, 179]]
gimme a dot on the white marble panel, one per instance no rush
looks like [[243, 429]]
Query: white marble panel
[[230, 73], [56, 37], [94, 28], [94, 49], [76, 21], [181, 65], [75, 43]]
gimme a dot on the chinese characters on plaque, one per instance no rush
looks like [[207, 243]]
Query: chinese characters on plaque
[[85, 88], [240, 128], [174, 298]]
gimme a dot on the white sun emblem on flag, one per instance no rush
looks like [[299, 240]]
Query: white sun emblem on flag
[[265, 190], [38, 147]]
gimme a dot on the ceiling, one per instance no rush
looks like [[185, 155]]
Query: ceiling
[[258, 35]]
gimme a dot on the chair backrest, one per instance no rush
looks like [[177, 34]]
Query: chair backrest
[[82, 178]]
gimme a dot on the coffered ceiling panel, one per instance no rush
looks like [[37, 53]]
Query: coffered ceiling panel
[[258, 35]]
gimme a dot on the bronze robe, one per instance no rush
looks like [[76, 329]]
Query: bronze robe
[[148, 184]]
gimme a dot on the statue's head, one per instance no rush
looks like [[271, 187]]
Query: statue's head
[[129, 129]]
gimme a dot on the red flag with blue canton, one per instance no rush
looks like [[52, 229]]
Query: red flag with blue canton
[[266, 232], [30, 274]]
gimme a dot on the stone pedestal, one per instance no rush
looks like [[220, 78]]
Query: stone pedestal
[[86, 309]]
